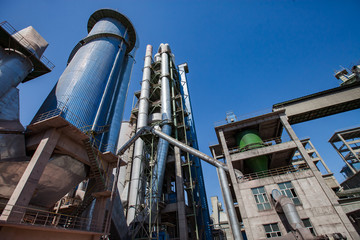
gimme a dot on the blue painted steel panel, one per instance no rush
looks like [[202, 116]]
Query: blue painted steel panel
[[115, 115]]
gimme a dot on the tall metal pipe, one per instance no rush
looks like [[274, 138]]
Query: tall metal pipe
[[163, 145], [135, 182], [229, 204]]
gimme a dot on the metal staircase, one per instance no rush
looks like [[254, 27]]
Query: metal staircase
[[97, 172]]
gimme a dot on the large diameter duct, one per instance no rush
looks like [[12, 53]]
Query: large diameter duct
[[14, 67], [163, 145], [139, 144], [92, 65], [288, 207]]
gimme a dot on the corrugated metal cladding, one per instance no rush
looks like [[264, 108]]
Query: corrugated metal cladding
[[99, 60]]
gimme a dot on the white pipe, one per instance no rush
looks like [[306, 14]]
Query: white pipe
[[163, 145], [135, 182]]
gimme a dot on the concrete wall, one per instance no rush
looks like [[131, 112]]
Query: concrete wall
[[314, 205]]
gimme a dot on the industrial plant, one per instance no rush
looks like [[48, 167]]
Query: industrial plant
[[80, 171]]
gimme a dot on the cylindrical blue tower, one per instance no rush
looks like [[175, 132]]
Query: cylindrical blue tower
[[87, 90]]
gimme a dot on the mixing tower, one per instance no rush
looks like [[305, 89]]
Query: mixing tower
[[165, 191]]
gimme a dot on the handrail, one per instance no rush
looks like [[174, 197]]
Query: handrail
[[32, 216], [25, 43], [275, 172], [62, 111]]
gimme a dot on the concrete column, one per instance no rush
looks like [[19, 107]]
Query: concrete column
[[351, 232], [183, 227], [24, 190]]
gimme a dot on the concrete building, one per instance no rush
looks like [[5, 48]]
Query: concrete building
[[257, 147]]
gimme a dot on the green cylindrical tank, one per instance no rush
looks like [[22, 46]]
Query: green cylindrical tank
[[250, 139]]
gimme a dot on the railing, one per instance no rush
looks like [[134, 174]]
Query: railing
[[244, 116], [62, 111], [17, 36], [101, 146], [275, 172], [31, 216]]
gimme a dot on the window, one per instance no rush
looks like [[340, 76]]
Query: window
[[308, 225], [261, 199], [287, 189], [272, 230]]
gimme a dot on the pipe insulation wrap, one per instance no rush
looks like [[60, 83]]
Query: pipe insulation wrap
[[137, 167]]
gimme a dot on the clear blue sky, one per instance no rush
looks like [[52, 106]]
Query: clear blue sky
[[243, 56]]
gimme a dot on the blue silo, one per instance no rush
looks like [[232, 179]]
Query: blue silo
[[87, 91]]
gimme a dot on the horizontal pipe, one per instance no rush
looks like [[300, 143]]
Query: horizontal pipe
[[173, 141], [141, 131], [190, 150]]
